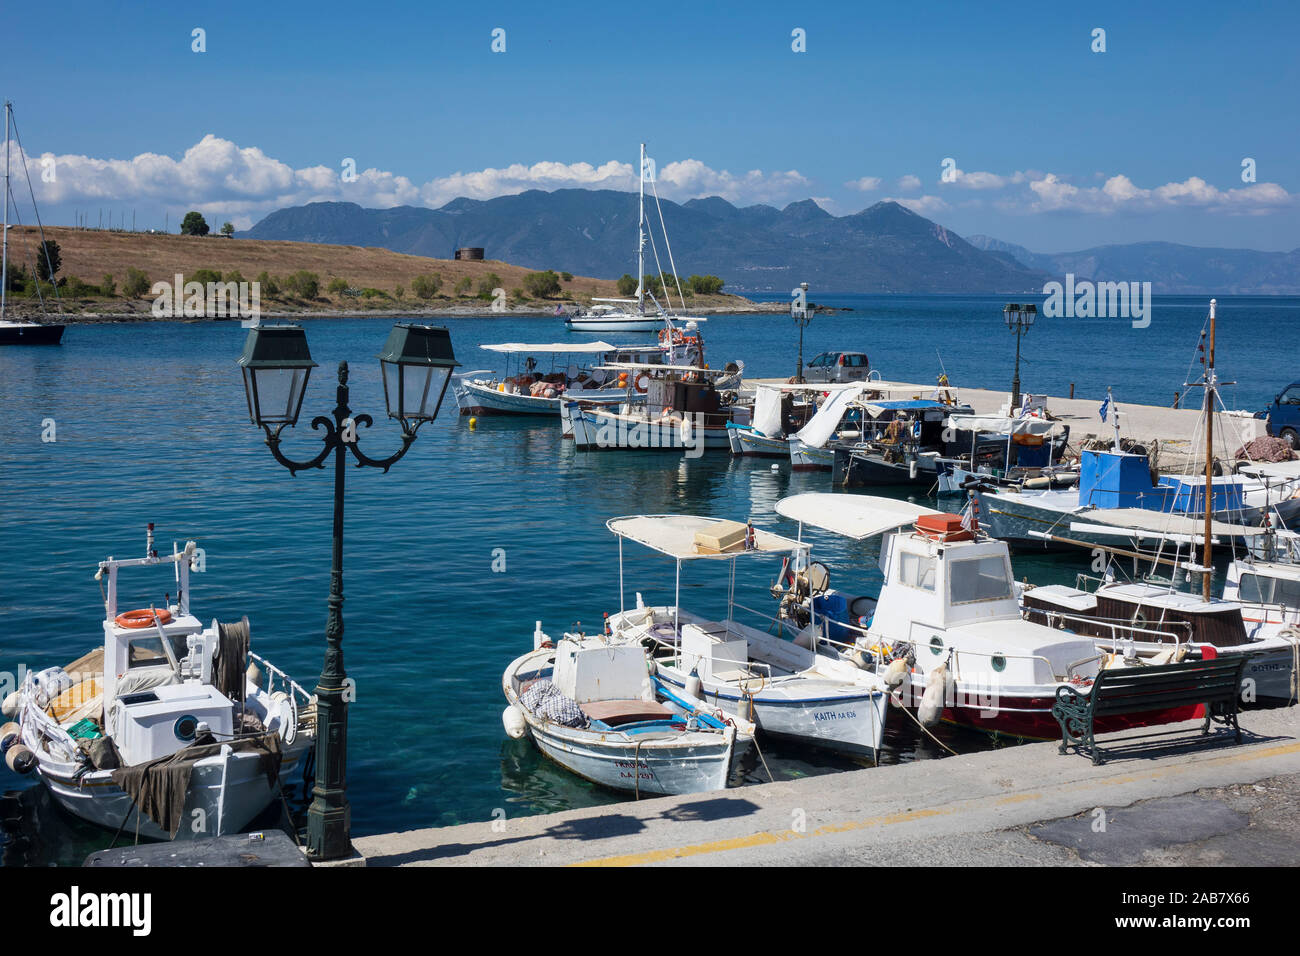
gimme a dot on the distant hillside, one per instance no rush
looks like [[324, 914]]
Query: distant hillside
[[886, 248], [89, 254], [1169, 267]]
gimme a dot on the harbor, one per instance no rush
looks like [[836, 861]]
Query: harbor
[[813, 439], [1180, 803]]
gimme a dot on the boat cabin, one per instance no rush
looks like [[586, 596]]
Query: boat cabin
[[1109, 479]]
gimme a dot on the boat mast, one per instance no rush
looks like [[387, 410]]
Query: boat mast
[[4, 254], [640, 240], [1210, 395]]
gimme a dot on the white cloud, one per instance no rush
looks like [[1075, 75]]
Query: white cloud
[[909, 183], [921, 205], [219, 176], [1120, 193], [866, 184], [983, 180]]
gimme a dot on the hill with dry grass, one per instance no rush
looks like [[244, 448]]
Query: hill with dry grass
[[385, 277]]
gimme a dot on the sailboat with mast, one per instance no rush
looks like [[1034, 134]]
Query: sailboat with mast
[[18, 332], [630, 315], [1153, 618]]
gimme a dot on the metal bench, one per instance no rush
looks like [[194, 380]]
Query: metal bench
[[1134, 690]]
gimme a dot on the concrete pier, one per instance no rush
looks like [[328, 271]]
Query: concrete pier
[[1178, 430], [1165, 796]]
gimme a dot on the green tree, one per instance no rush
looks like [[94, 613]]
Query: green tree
[[48, 260], [15, 278], [266, 285], [426, 287], [400, 292], [464, 285], [106, 285], [542, 285], [228, 229], [626, 285], [653, 285], [566, 276], [488, 283], [234, 275], [306, 284], [194, 224], [136, 284], [706, 285], [203, 276], [337, 285]]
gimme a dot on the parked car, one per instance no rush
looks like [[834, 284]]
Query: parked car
[[837, 367], [1284, 415]]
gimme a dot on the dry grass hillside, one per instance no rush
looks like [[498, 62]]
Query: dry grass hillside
[[90, 254]]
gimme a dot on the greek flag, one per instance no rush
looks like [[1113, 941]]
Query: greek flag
[[967, 515], [1105, 407]]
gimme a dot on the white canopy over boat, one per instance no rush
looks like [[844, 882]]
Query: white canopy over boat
[[1157, 523], [674, 535], [584, 348], [822, 425], [853, 516], [767, 401], [1272, 469], [999, 425]]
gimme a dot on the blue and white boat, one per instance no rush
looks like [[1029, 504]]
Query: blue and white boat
[[789, 690], [595, 709]]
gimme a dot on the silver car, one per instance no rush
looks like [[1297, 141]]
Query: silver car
[[837, 367]]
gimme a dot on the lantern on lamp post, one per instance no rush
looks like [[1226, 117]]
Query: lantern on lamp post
[[1018, 318], [416, 362]]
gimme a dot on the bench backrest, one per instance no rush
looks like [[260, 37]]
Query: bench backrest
[[1126, 690]]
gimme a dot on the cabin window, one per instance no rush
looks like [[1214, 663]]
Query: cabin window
[[917, 571], [147, 652], [1264, 590], [979, 579]]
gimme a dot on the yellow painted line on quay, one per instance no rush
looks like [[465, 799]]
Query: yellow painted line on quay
[[772, 837]]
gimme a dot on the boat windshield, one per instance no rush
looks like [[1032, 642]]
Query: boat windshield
[[978, 579], [148, 652], [1260, 589]]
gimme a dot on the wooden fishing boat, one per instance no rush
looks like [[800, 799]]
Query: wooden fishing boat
[[169, 729]]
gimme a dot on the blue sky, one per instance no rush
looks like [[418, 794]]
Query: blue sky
[[1057, 147]]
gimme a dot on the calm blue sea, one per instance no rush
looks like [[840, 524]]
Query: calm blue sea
[[151, 425]]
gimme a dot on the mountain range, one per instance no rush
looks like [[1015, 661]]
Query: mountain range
[[884, 248]]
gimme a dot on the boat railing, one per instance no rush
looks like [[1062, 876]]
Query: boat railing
[[1057, 619], [276, 679]]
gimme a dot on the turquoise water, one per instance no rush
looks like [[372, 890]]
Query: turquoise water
[[151, 425]]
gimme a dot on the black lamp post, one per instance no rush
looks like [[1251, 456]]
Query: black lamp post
[[799, 312], [1019, 318], [416, 362]]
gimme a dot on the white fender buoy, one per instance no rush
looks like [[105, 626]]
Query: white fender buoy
[[20, 759], [911, 468], [776, 467], [895, 672], [254, 674], [932, 700], [694, 686], [512, 718], [10, 707], [8, 735]]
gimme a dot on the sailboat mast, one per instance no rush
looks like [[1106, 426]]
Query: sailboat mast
[[4, 255], [1210, 395], [640, 240]]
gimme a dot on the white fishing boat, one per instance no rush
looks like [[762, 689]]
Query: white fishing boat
[[596, 709], [946, 627], [21, 332], [777, 679], [168, 729], [532, 390], [630, 315], [779, 412], [682, 408]]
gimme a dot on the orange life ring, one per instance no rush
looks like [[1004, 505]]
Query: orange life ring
[[642, 383], [142, 617]]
